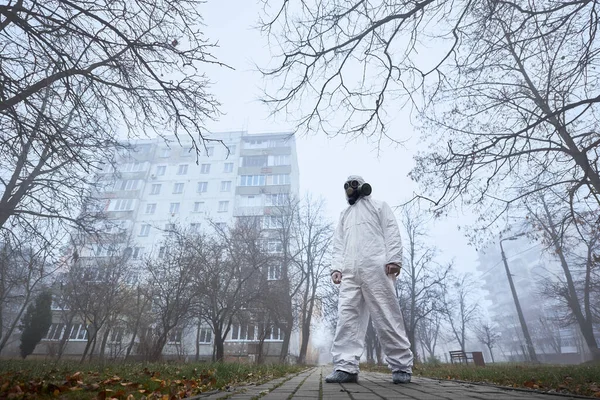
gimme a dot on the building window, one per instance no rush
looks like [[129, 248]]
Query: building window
[[123, 205], [255, 161], [221, 225], [281, 159], [133, 167], [161, 170], [182, 169], [226, 186], [274, 246], [271, 222], [199, 206], [127, 185], [175, 336], [251, 201], [145, 230], [253, 180], [223, 206], [202, 187], [274, 334], [178, 188], [55, 332], [205, 169], [228, 167], [243, 332], [195, 227], [155, 189], [281, 179], [278, 199], [274, 273], [116, 335], [77, 332], [174, 208], [150, 208], [186, 153], [161, 252], [210, 151], [165, 153], [205, 335], [276, 143], [170, 228], [137, 253]]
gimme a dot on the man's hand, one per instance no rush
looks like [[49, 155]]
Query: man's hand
[[392, 269], [336, 277]]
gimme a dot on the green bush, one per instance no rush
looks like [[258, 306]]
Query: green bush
[[35, 323]]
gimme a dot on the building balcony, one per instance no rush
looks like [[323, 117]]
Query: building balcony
[[248, 211]]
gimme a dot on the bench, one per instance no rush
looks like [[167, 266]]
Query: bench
[[463, 356]]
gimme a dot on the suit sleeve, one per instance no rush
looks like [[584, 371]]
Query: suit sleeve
[[338, 246], [391, 235]]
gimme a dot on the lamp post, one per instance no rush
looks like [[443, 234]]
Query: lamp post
[[530, 348]]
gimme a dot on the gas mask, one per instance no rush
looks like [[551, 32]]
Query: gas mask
[[356, 187]]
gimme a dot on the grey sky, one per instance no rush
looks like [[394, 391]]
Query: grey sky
[[324, 163]]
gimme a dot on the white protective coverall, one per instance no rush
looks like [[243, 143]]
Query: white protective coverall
[[366, 239]]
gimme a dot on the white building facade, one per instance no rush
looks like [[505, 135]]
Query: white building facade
[[156, 185]]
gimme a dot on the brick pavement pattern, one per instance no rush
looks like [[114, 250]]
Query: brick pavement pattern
[[310, 385]]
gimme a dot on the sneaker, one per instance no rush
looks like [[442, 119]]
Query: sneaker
[[341, 377], [401, 377]]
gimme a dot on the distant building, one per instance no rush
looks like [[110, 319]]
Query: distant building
[[156, 186], [529, 267]]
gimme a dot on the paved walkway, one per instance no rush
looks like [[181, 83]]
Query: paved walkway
[[310, 385]]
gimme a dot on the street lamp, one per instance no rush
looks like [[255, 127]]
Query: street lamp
[[530, 348]]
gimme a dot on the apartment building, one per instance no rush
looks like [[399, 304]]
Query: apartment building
[[158, 185], [529, 267]]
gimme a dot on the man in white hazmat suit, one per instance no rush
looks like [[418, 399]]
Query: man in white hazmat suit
[[367, 258]]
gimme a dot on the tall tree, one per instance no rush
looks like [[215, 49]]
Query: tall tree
[[489, 336], [572, 236], [422, 276], [74, 74], [506, 90], [312, 240], [231, 278], [170, 281], [94, 283], [26, 263], [460, 308], [36, 322]]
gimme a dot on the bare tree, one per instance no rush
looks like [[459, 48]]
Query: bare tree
[[74, 73], [231, 278], [506, 91], [422, 277], [428, 333], [26, 265], [372, 345], [282, 230], [311, 259], [94, 284], [460, 309], [139, 62], [573, 237], [488, 335], [170, 281]]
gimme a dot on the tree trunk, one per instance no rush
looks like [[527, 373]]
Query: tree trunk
[[103, 344], [491, 353], [584, 321], [198, 340], [158, 346], [15, 322], [285, 346]]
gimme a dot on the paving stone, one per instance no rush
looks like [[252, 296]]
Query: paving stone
[[310, 385]]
